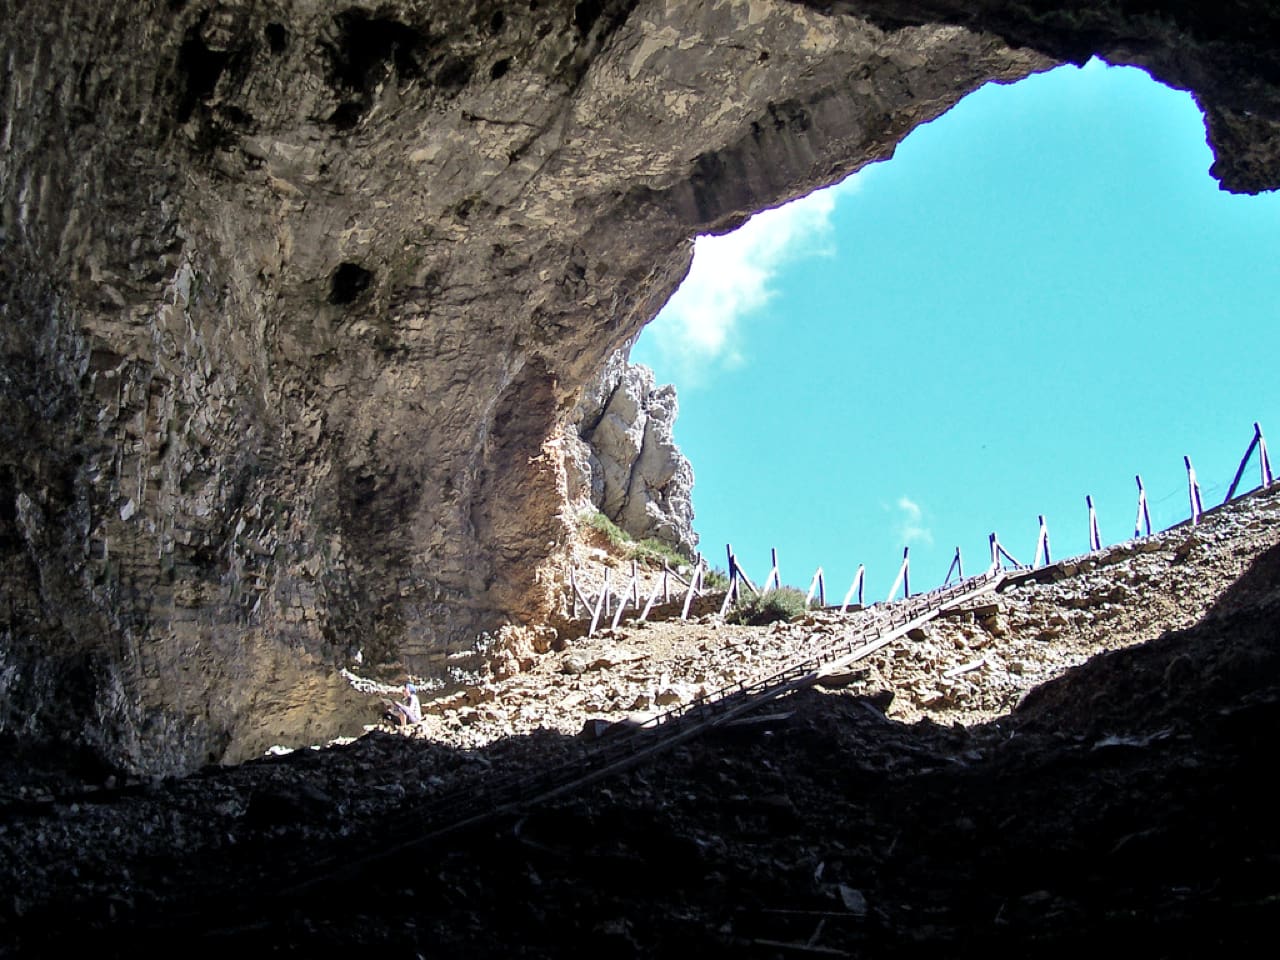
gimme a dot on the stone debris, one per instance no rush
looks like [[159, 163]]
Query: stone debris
[[79, 844], [969, 666]]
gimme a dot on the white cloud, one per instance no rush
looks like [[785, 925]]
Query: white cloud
[[732, 276], [911, 525]]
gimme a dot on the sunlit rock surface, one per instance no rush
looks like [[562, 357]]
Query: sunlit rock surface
[[292, 294], [622, 457]]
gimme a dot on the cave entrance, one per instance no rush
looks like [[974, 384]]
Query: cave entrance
[[1040, 296]]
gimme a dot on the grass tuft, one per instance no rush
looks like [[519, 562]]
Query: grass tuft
[[654, 553], [608, 529], [714, 578], [650, 552], [785, 603]]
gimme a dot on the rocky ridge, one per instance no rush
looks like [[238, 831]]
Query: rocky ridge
[[973, 666], [621, 456]]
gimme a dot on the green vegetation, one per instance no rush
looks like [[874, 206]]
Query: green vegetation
[[785, 603], [650, 552], [714, 578], [598, 522], [655, 552]]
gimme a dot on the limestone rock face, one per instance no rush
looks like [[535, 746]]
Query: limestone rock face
[[1229, 59], [292, 293], [623, 458]]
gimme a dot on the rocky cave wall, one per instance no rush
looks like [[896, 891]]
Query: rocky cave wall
[[292, 293]]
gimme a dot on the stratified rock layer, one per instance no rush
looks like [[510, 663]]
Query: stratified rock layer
[[622, 458], [291, 295]]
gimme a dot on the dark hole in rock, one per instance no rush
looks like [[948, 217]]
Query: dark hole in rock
[[8, 508], [347, 115], [497, 21], [199, 69], [366, 44], [454, 73], [237, 116], [499, 69], [349, 281], [367, 51], [432, 283], [363, 491], [790, 115], [277, 37], [585, 14]]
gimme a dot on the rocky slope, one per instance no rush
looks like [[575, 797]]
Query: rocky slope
[[1075, 762], [293, 294], [973, 666]]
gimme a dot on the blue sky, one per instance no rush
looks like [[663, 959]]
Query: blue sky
[[1041, 295]]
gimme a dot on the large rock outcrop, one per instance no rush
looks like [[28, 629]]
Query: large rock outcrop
[[621, 456], [292, 293]]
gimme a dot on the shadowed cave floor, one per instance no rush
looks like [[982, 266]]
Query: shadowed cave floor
[[1125, 801]]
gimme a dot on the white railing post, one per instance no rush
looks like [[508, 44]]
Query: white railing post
[[956, 565], [813, 585], [1000, 551], [901, 579], [858, 579], [728, 596], [653, 598], [630, 592], [693, 588], [1042, 545], [1264, 462], [774, 577], [1193, 492], [1144, 517]]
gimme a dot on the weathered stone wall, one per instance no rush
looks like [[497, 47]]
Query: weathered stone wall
[[1227, 55], [291, 293], [621, 455]]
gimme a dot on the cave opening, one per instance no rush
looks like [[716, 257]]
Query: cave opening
[[368, 46], [1041, 296], [277, 37], [348, 282], [199, 70], [367, 51]]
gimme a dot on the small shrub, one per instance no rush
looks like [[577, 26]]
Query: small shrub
[[714, 578], [653, 552], [785, 603]]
